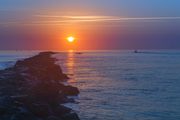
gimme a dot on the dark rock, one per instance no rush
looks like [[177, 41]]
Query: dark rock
[[46, 92], [23, 116], [60, 110], [3, 110], [31, 90], [70, 116], [41, 66], [70, 90], [53, 118], [39, 110]]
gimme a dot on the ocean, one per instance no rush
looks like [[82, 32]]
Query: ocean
[[121, 84]]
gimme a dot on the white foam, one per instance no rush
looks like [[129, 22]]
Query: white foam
[[73, 106]]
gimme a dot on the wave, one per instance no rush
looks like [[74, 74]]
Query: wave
[[4, 65], [158, 52]]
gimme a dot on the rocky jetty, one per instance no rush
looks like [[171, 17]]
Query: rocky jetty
[[32, 90]]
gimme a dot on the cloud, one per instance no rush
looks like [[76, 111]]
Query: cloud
[[64, 20], [104, 18], [81, 19]]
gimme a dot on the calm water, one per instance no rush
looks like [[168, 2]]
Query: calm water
[[120, 85]]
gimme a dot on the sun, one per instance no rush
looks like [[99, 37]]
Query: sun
[[70, 39]]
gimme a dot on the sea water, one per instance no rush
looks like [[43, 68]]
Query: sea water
[[9, 58], [119, 85]]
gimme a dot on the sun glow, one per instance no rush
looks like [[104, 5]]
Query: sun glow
[[70, 39]]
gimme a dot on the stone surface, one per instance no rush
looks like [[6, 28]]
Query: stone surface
[[32, 90]]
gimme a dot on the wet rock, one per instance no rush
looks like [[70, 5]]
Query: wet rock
[[70, 90], [61, 110]]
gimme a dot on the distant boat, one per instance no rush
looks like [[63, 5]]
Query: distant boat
[[79, 53], [135, 51]]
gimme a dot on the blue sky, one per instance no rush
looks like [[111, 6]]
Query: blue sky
[[117, 7], [21, 19]]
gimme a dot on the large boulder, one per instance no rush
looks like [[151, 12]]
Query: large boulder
[[70, 90]]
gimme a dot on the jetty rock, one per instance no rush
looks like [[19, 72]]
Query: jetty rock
[[32, 89]]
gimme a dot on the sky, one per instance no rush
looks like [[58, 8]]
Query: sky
[[96, 24]]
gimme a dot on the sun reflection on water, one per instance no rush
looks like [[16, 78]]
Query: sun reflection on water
[[70, 62]]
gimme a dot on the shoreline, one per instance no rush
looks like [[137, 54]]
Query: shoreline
[[32, 90]]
